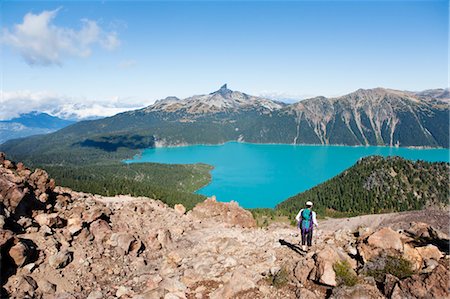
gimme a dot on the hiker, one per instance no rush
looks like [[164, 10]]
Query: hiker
[[306, 219]]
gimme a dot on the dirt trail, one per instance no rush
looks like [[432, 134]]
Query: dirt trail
[[437, 218]]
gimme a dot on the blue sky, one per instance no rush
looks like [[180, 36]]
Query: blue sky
[[127, 54]]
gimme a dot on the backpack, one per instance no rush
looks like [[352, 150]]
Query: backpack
[[306, 221]]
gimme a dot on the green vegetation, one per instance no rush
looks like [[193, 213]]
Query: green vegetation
[[345, 274], [382, 265], [170, 183], [265, 216], [376, 185], [279, 279], [90, 162]]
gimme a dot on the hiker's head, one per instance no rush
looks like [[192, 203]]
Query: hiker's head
[[309, 204]]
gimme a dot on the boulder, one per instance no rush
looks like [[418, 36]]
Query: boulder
[[164, 238], [22, 252], [26, 287], [2, 221], [386, 239], [428, 234], [95, 295], [46, 287], [8, 164], [74, 225], [11, 194], [360, 291], [173, 258], [240, 281], [123, 241], [100, 229], [123, 291], [95, 213], [304, 293], [39, 179], [389, 284], [429, 252], [25, 222], [6, 237], [433, 285], [325, 261], [61, 259], [430, 265], [50, 220], [412, 254], [303, 269], [180, 209], [229, 213], [153, 282]]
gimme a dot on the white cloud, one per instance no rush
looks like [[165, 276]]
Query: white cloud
[[283, 96], [127, 64], [15, 103], [40, 42]]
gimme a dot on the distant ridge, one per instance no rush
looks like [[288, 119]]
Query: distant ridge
[[32, 123], [376, 116]]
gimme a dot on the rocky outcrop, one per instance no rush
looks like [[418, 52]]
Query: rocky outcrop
[[66, 244], [433, 285], [228, 213]]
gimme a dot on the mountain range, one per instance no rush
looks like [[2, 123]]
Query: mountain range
[[32, 123], [376, 116]]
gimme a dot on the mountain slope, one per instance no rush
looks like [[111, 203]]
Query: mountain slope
[[365, 117], [373, 117], [32, 123], [376, 185]]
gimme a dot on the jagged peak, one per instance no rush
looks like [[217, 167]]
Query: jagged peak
[[224, 91]]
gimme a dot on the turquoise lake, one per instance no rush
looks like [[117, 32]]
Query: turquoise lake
[[262, 175]]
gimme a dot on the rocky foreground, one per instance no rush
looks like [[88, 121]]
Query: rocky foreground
[[57, 243]]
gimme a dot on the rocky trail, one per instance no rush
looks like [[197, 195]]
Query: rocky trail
[[57, 243]]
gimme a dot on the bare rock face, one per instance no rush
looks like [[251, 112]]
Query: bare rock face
[[229, 213]]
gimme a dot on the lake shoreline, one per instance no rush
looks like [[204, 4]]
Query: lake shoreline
[[293, 144], [262, 175]]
